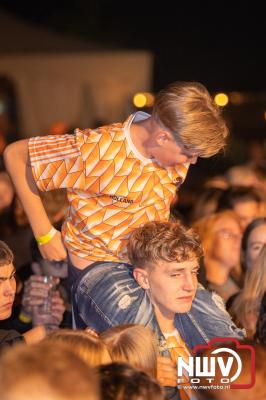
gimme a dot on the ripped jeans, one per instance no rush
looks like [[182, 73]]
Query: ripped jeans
[[106, 294]]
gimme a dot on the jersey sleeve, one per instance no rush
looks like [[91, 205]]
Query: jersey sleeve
[[56, 161]]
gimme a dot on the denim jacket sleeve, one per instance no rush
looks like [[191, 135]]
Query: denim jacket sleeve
[[208, 313]]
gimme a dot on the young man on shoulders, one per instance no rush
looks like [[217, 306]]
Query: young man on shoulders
[[117, 176]]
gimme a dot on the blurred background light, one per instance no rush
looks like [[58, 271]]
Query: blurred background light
[[139, 100], [144, 99], [237, 98], [221, 99]]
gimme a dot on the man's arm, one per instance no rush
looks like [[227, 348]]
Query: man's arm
[[17, 163], [34, 335]]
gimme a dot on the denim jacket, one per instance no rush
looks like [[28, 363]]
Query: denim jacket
[[106, 294]]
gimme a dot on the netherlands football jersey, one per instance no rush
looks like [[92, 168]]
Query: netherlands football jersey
[[111, 188]]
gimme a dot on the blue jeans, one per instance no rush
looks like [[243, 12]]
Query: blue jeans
[[106, 294]]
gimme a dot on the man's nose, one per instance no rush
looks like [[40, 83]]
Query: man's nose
[[188, 282], [9, 289]]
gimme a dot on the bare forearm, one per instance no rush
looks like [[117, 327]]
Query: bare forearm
[[17, 164], [35, 335]]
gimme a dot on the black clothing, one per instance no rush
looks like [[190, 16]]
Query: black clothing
[[9, 338]]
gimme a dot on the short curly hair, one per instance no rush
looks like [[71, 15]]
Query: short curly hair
[[162, 241], [6, 255]]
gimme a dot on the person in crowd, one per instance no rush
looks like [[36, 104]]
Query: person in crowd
[[7, 296], [254, 238], [117, 177], [216, 182], [243, 175], [220, 235], [133, 344], [206, 203], [120, 381], [244, 201], [246, 305], [159, 291], [6, 191], [89, 347], [41, 371], [260, 334], [31, 290]]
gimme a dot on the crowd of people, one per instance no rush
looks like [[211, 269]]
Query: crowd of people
[[136, 284]]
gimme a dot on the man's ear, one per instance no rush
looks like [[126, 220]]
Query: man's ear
[[162, 137], [141, 277]]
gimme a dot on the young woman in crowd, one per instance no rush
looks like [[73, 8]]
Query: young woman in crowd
[[246, 305], [220, 235]]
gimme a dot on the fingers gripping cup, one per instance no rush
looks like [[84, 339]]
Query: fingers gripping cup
[[42, 314]]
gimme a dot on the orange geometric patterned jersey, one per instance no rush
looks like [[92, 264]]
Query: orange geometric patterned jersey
[[111, 188]]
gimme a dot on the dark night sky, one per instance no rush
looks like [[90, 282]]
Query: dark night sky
[[223, 47]]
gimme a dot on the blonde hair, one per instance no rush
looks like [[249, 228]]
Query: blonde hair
[[134, 344], [90, 348], [168, 241], [204, 226], [247, 303], [41, 371], [191, 115]]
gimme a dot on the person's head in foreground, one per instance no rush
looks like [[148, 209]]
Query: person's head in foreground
[[133, 344], [7, 281], [43, 371], [165, 257], [90, 348], [119, 381], [186, 123]]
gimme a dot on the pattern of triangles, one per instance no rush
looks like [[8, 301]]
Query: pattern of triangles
[[110, 191]]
